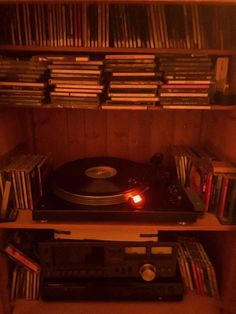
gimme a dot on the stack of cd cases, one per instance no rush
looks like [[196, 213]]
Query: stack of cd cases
[[132, 79], [75, 80], [23, 82]]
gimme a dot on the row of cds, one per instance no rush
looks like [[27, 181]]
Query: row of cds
[[25, 284], [211, 179], [197, 271], [124, 79], [26, 177], [99, 25]]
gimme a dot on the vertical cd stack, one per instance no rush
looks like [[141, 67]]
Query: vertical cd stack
[[75, 80], [197, 271], [188, 81], [26, 176], [23, 82], [132, 79]]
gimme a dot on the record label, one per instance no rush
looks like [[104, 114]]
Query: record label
[[100, 172]]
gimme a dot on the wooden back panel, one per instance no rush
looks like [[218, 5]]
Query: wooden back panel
[[13, 132], [137, 135]]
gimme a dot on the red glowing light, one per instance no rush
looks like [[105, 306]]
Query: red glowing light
[[137, 199]]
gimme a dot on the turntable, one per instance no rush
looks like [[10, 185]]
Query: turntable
[[112, 189]]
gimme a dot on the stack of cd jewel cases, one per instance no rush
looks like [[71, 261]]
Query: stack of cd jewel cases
[[197, 270], [23, 82], [75, 80], [132, 79], [188, 80]]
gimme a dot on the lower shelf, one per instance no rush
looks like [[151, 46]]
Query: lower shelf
[[192, 303]]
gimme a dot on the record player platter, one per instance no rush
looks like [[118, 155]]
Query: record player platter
[[99, 181]]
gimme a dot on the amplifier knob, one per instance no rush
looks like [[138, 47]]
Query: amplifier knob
[[148, 272]]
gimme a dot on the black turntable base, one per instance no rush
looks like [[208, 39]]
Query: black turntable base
[[112, 189]]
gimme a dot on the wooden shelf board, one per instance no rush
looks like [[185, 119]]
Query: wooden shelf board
[[18, 48], [119, 107], [223, 107], [95, 229], [192, 303], [207, 107]]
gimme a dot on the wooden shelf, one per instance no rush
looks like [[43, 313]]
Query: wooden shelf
[[121, 107], [165, 51], [200, 304], [92, 229]]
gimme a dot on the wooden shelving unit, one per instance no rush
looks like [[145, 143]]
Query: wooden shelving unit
[[135, 133]]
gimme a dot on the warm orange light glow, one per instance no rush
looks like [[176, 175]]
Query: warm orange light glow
[[137, 199]]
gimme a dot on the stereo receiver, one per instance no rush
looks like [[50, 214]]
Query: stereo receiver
[[99, 269]]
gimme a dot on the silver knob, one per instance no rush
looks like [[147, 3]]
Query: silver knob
[[148, 272]]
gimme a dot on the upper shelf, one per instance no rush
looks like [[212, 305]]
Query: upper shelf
[[119, 26]]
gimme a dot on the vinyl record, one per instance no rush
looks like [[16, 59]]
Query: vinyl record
[[99, 180]]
